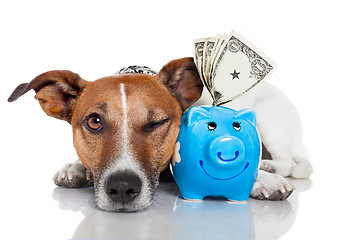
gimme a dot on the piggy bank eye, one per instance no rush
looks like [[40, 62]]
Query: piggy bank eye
[[211, 126], [237, 126]]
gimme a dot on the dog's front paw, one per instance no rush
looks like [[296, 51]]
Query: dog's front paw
[[271, 186], [73, 175]]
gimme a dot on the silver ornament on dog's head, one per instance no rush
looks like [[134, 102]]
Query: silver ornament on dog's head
[[137, 69]]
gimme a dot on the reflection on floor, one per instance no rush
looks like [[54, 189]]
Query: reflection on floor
[[171, 217]]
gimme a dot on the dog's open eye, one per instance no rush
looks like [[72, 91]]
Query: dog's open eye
[[151, 126], [236, 126], [93, 122]]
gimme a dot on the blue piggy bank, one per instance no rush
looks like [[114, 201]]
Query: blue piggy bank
[[217, 153]]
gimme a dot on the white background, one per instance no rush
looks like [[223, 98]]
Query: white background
[[314, 43]]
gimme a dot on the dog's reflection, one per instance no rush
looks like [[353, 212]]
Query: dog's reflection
[[171, 217]]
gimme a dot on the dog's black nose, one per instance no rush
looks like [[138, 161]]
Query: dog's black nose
[[123, 186]]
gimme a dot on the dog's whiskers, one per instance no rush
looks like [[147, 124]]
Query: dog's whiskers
[[158, 201]]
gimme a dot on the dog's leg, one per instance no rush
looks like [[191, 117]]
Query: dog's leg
[[281, 163], [280, 129], [270, 186], [281, 160], [73, 175]]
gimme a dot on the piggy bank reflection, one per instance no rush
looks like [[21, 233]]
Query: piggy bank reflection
[[217, 153]]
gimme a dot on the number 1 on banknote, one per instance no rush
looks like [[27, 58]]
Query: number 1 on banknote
[[232, 67], [238, 67]]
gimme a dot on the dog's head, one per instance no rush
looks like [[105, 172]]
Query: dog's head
[[124, 127]]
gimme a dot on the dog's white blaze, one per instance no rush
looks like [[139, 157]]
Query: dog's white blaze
[[126, 157], [125, 134], [125, 161]]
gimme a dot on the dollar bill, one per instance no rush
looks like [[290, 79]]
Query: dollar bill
[[219, 43], [198, 56], [208, 48], [230, 66]]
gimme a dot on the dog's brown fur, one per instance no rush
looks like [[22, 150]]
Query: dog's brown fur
[[153, 148], [155, 105]]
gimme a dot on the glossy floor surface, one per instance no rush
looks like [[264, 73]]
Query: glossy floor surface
[[50, 212], [172, 217]]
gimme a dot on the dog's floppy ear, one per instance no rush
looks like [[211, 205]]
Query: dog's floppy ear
[[56, 91], [183, 80]]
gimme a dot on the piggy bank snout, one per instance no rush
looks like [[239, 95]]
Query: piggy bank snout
[[226, 150]]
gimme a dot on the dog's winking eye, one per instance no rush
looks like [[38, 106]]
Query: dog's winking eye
[[93, 122], [151, 126]]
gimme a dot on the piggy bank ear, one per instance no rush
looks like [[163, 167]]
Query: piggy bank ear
[[195, 114], [248, 115]]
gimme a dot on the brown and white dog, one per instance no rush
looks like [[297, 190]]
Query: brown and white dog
[[124, 131]]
